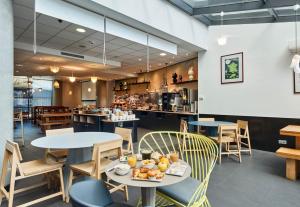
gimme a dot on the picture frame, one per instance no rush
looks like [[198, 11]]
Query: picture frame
[[296, 80], [232, 68]]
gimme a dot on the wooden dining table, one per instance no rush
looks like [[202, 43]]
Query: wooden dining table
[[292, 131]]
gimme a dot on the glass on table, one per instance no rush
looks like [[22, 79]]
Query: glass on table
[[132, 160], [174, 156], [146, 154]]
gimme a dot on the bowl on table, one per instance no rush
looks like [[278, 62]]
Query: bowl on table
[[122, 169], [148, 164]]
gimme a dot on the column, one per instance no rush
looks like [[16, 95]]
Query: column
[[6, 73]]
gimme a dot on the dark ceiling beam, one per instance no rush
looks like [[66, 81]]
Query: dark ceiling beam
[[189, 10], [255, 20], [271, 10], [241, 6]]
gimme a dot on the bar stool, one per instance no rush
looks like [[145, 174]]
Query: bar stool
[[92, 193]]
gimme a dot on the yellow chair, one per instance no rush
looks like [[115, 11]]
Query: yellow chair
[[199, 152], [21, 170], [58, 155], [126, 134]]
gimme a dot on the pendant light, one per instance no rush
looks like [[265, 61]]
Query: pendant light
[[296, 59], [94, 79], [34, 32], [56, 84], [223, 39], [72, 78], [104, 42], [148, 68], [54, 69]]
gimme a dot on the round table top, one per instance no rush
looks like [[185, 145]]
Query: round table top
[[209, 123], [127, 180], [74, 140]]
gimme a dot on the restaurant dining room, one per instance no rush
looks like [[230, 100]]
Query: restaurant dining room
[[186, 103]]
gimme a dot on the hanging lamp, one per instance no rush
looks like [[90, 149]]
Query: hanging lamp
[[54, 69], [223, 39], [94, 79], [56, 84], [104, 41], [296, 59], [72, 78]]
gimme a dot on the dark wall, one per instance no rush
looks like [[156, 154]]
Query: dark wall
[[264, 131]]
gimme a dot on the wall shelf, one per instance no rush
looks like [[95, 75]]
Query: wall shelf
[[184, 82], [139, 83]]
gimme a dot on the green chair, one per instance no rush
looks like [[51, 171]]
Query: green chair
[[199, 152]]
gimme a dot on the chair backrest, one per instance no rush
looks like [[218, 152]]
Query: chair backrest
[[206, 119], [225, 129], [59, 131], [98, 149], [198, 151], [126, 134], [243, 127], [13, 155], [183, 126]]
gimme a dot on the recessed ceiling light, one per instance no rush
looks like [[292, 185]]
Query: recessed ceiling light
[[19, 65], [17, 71], [162, 54], [159, 64], [81, 30], [296, 7], [170, 62], [173, 57], [187, 54], [140, 59]]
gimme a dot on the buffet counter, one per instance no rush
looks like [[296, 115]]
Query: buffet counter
[[163, 120], [100, 123]]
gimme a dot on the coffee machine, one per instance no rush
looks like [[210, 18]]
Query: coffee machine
[[189, 100], [168, 101]]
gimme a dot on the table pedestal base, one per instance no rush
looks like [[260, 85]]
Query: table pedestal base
[[148, 197]]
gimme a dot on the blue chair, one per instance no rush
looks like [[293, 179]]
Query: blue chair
[[92, 193]]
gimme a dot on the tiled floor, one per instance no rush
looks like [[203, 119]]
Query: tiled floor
[[257, 182]]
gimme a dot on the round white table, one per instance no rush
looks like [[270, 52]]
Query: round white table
[[211, 125], [148, 188], [79, 145]]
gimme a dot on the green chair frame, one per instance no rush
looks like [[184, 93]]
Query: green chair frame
[[198, 151]]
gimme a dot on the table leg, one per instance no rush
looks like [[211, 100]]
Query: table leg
[[148, 197]]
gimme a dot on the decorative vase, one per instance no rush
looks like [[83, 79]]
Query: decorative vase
[[191, 73], [174, 76]]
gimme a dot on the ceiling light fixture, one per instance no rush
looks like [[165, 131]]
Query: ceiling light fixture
[[81, 30], [94, 79], [296, 59], [56, 84], [19, 65], [72, 78], [223, 39], [89, 90], [140, 59], [162, 54], [54, 69], [187, 54]]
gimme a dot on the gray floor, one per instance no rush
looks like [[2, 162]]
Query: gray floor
[[258, 181]]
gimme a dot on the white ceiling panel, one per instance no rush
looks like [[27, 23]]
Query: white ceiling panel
[[23, 12], [21, 23], [75, 36], [27, 3], [46, 20]]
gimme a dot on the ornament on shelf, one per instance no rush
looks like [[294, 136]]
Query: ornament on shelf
[[180, 78], [174, 76], [191, 73]]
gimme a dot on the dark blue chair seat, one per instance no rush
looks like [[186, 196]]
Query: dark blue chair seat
[[91, 193], [181, 192]]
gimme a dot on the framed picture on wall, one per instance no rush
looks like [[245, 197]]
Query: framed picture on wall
[[232, 68], [296, 82]]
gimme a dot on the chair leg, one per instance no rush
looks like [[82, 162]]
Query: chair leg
[[239, 150], [69, 186], [12, 187], [62, 185], [249, 146], [220, 153], [126, 193]]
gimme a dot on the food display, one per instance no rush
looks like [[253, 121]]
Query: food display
[[154, 168]]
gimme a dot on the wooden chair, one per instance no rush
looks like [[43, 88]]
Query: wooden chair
[[243, 133], [200, 153], [97, 165], [18, 117], [228, 134], [13, 156], [58, 155], [200, 130], [183, 126], [126, 134]]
